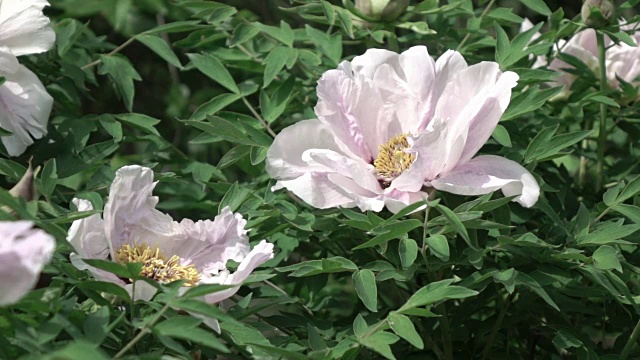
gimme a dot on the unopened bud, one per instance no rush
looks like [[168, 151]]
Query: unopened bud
[[598, 13], [385, 10], [25, 188]]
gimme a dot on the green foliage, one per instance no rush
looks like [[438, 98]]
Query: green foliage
[[197, 90]]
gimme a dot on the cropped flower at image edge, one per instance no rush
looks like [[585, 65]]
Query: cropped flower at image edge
[[391, 124], [23, 253], [132, 230]]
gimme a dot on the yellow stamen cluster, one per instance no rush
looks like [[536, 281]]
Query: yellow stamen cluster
[[392, 160], [156, 266]]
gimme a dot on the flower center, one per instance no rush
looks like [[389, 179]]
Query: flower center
[[156, 266], [392, 160]]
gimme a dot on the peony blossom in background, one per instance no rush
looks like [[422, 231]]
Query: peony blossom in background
[[24, 251], [391, 124], [132, 230], [621, 59], [25, 105]]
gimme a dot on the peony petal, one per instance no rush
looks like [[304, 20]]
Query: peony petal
[[210, 244], [8, 62], [317, 190], [130, 214], [87, 235], [284, 158], [23, 27], [24, 109], [258, 255], [488, 173], [23, 254]]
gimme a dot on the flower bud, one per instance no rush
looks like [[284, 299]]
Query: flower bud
[[598, 13], [385, 10]]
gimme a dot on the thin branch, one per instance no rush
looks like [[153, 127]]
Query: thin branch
[[113, 52]]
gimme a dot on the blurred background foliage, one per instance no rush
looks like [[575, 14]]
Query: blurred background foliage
[[197, 89]]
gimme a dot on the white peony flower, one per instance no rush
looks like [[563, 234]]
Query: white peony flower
[[390, 124], [132, 230], [24, 103], [23, 253]]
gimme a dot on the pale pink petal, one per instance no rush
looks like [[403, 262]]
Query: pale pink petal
[[23, 254], [258, 255], [25, 106], [210, 244], [317, 190], [87, 235], [284, 158], [488, 173]]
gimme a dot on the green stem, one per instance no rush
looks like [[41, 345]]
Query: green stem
[[446, 332], [142, 332], [466, 37], [602, 135], [496, 326], [631, 342]]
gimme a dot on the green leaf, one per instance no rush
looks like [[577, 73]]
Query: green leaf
[[49, 178], [205, 289], [160, 47], [140, 121], [533, 285], [390, 231], [329, 45], [175, 27], [314, 267], [284, 33], [506, 278], [505, 14], [224, 129], [606, 258], [275, 62], [408, 251], [632, 189], [630, 211], [608, 233], [365, 284], [544, 146], [110, 266], [106, 287], [538, 6], [214, 105], [379, 342], [77, 350], [455, 222], [186, 328], [122, 74], [214, 69], [439, 246], [272, 107], [403, 327], [242, 33], [501, 135], [436, 292]]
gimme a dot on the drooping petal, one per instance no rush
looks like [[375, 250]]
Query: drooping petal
[[25, 106], [130, 214], [23, 27], [258, 255], [8, 62], [488, 173], [317, 190], [23, 253]]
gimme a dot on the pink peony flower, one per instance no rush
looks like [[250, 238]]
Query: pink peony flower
[[25, 105], [621, 59], [390, 125], [23, 253], [132, 230]]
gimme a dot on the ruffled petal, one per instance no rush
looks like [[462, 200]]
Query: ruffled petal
[[488, 173], [317, 190], [130, 214], [25, 106], [23, 253], [210, 244], [23, 27], [258, 255]]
